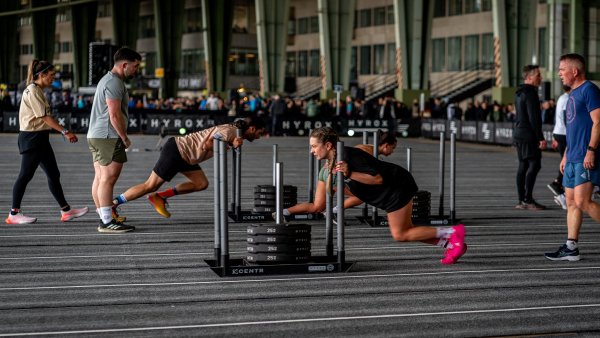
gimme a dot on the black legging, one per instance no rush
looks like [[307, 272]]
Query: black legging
[[30, 160], [526, 175]]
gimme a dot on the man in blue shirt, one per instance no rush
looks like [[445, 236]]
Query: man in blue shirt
[[580, 164]]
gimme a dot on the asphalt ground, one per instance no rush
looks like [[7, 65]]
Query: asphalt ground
[[64, 279]]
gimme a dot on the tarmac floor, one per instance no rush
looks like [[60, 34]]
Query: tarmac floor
[[62, 279]]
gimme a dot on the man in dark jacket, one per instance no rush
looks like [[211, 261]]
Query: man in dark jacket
[[528, 137]]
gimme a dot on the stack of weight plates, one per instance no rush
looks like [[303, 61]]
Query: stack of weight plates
[[422, 204], [278, 243], [264, 198]]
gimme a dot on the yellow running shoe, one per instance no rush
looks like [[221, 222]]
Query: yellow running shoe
[[160, 204]]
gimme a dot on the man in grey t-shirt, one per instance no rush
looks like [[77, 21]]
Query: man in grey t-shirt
[[107, 135]]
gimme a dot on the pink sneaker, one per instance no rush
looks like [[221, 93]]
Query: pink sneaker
[[66, 216], [457, 239], [19, 219]]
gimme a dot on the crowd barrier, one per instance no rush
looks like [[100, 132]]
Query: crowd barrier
[[151, 121], [500, 133], [147, 121]]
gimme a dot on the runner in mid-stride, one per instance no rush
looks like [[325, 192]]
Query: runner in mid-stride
[[182, 154]]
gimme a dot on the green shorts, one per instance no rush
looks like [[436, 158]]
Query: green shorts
[[106, 150]]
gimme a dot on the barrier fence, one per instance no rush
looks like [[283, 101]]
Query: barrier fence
[[151, 122], [477, 131]]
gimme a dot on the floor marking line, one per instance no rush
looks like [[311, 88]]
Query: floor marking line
[[305, 320], [237, 281]]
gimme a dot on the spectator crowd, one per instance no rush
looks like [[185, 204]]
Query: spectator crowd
[[251, 104]]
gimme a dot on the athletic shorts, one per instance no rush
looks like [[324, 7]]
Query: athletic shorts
[[528, 150], [170, 162], [575, 174], [106, 150]]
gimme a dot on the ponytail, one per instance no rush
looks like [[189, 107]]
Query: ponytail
[[37, 67]]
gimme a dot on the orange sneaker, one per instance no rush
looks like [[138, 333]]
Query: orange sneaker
[[159, 204], [66, 216], [115, 215], [20, 219]]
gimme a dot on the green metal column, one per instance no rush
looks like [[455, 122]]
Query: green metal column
[[522, 32], [576, 29], [413, 20], [514, 44], [217, 21], [44, 28], [125, 20], [9, 42], [83, 23], [169, 30], [336, 24], [271, 31], [556, 45]]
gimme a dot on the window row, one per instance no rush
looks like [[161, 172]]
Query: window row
[[365, 60], [459, 7], [62, 47], [367, 17], [377, 16], [462, 53]]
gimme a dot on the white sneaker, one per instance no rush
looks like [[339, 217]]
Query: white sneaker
[[73, 213], [561, 201], [19, 219]]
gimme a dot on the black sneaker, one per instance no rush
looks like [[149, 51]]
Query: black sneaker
[[563, 254], [556, 188], [114, 227]]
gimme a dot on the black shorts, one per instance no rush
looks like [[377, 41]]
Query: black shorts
[[170, 162], [528, 150], [402, 195]]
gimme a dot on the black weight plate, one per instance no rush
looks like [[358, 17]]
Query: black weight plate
[[303, 240], [271, 203], [269, 189], [263, 196], [281, 229], [277, 258], [423, 193], [263, 209], [281, 248]]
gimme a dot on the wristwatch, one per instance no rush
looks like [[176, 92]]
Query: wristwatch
[[64, 131], [590, 148]]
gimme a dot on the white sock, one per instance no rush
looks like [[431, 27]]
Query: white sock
[[106, 214], [286, 212], [444, 232], [571, 244], [444, 243]]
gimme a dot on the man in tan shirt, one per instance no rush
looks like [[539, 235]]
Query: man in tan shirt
[[182, 155]]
